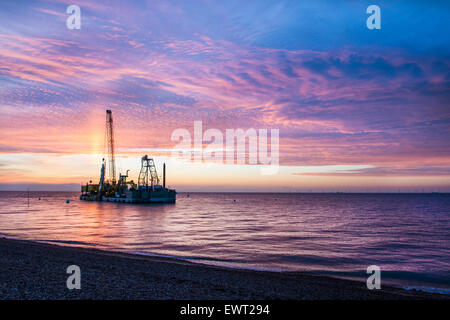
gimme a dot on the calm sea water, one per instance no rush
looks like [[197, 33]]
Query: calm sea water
[[407, 235]]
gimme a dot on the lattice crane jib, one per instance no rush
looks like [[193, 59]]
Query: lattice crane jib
[[110, 146]]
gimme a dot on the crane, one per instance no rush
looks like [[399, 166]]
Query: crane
[[110, 145]]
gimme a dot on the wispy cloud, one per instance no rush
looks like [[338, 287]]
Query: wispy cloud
[[161, 65]]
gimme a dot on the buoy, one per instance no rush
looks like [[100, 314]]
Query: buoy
[[67, 201]]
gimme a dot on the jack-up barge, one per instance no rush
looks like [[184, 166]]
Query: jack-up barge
[[148, 189]]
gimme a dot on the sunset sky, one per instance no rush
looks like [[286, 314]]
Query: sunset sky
[[357, 109]]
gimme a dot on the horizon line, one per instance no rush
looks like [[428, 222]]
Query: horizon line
[[270, 192]]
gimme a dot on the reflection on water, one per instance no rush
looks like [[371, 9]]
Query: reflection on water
[[405, 234]]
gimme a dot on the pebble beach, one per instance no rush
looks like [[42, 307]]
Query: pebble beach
[[32, 270]]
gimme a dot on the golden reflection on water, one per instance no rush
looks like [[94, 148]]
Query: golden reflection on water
[[326, 232]]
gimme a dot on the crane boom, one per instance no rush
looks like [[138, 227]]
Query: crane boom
[[110, 143]]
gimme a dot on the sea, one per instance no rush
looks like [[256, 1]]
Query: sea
[[335, 234]]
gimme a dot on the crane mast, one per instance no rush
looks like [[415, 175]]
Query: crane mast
[[110, 144]]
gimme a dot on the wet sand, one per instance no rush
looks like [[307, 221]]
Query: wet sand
[[31, 270]]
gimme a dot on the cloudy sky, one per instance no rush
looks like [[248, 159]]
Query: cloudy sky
[[357, 109]]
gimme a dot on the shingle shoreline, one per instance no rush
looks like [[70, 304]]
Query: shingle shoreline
[[31, 270]]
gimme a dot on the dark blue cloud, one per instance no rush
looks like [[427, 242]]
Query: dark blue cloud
[[146, 92], [361, 67]]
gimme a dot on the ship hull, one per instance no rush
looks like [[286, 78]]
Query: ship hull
[[136, 196]]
